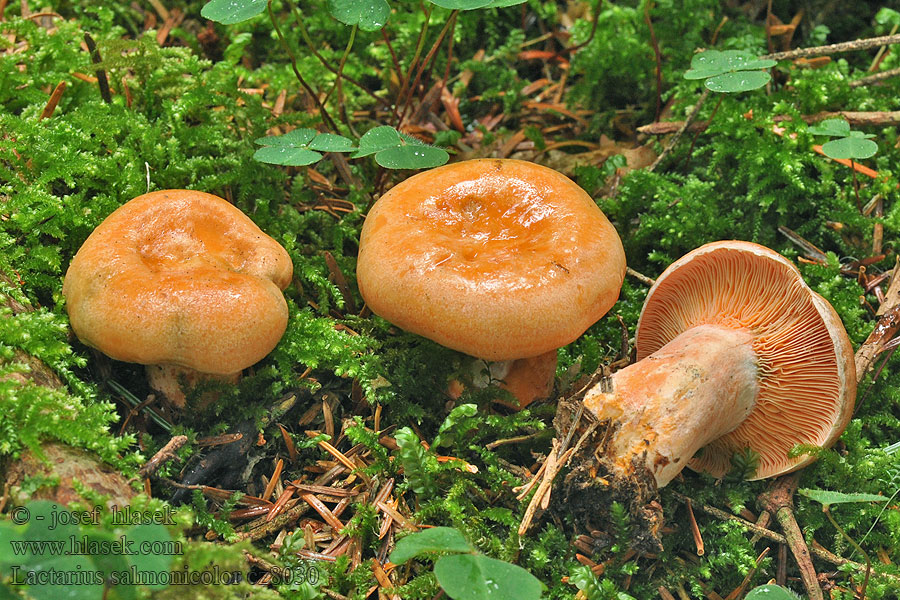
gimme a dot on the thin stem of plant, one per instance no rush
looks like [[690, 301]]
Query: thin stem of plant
[[657, 55], [690, 151], [856, 187], [577, 47], [687, 123], [304, 33], [338, 88], [322, 110], [428, 58], [852, 542], [420, 43]]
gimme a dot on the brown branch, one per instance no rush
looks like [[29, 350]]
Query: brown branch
[[863, 44], [875, 78], [690, 119], [815, 550], [855, 118], [165, 454], [779, 501], [886, 328]]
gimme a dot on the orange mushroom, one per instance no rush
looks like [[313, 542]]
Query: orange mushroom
[[734, 352], [499, 259], [183, 282]]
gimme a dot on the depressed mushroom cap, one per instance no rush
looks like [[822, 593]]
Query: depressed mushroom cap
[[807, 377], [500, 259], [179, 277]]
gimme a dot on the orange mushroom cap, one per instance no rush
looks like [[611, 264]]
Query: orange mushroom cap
[[806, 372], [499, 259], [179, 277]]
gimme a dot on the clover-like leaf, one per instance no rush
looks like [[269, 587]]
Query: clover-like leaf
[[832, 127], [291, 139], [475, 576], [151, 536], [300, 147], [740, 81], [229, 12], [376, 140], [461, 4], [394, 150], [435, 539], [770, 591], [716, 62], [504, 3], [412, 156], [329, 142], [369, 15], [852, 148], [730, 70]]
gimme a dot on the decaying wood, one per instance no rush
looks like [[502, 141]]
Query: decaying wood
[[885, 329], [55, 459], [165, 454]]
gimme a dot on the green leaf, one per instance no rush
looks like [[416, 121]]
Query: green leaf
[[850, 147], [412, 157], [155, 536], [289, 157], [504, 3], [828, 498], [461, 4], [478, 577], [832, 127], [376, 140], [460, 412], [369, 15], [291, 139], [436, 539], [770, 592], [740, 81], [714, 62], [297, 148], [229, 12], [329, 142]]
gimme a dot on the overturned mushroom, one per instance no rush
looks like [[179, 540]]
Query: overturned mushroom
[[735, 353], [499, 259], [183, 282]]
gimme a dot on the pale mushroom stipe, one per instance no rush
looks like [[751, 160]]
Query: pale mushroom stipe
[[498, 259], [181, 281]]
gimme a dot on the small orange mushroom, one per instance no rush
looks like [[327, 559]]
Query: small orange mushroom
[[499, 259], [734, 352], [181, 281]]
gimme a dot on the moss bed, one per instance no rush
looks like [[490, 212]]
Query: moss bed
[[564, 85]]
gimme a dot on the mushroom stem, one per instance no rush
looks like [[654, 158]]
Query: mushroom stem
[[664, 408], [527, 379], [168, 380]]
